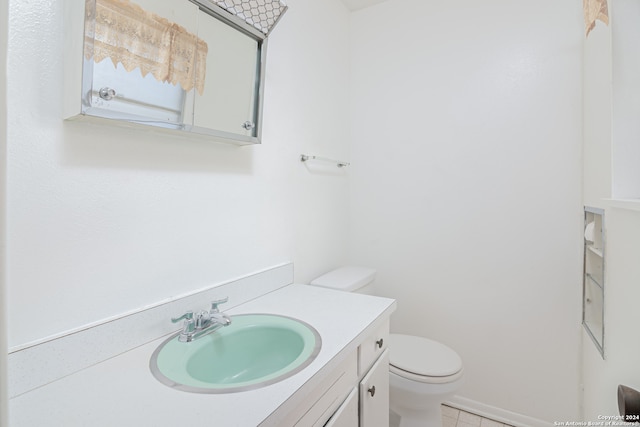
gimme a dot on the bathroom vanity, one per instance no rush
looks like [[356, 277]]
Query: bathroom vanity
[[345, 385]]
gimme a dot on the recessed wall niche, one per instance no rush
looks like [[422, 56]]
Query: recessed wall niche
[[593, 279]]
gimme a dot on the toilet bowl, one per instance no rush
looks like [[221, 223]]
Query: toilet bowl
[[422, 373]]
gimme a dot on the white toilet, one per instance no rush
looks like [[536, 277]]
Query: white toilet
[[422, 373]]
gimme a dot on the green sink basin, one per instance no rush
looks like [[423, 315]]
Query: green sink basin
[[254, 351]]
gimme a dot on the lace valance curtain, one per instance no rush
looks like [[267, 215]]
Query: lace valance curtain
[[595, 10], [127, 34]]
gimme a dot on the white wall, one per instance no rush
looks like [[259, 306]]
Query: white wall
[[611, 151], [103, 220], [3, 144], [626, 103], [466, 187], [597, 92]]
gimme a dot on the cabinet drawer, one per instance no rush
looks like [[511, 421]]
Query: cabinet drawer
[[372, 348]]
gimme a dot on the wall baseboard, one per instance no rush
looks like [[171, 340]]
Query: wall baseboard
[[495, 413]]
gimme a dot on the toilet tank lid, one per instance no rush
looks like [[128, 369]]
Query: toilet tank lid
[[346, 278]]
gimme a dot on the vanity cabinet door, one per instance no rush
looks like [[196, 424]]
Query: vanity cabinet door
[[347, 413], [374, 394], [327, 397]]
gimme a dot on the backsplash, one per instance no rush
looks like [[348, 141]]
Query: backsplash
[[41, 363]]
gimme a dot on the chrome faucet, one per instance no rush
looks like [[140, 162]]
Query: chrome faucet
[[204, 323]]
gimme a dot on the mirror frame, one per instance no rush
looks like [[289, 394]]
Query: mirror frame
[[233, 21], [217, 12]]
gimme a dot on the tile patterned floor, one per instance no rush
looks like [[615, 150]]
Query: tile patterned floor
[[452, 417]]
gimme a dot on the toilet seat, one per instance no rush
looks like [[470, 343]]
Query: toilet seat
[[423, 360]]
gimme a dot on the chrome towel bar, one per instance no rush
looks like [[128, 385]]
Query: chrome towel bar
[[339, 163]]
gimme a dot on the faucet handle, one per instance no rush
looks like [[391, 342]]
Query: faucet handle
[[188, 328], [215, 303], [187, 316]]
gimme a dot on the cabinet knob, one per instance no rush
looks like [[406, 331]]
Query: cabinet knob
[[372, 390], [380, 342]]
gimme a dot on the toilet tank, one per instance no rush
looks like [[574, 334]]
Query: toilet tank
[[348, 279]]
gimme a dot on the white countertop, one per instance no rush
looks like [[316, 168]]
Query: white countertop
[[122, 391]]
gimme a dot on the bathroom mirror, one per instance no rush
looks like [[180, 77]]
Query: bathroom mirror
[[181, 65]]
